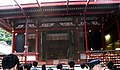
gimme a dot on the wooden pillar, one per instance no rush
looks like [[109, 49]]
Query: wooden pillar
[[70, 52], [118, 27], [37, 41], [13, 41], [77, 44], [36, 47], [43, 46], [77, 37], [102, 37]]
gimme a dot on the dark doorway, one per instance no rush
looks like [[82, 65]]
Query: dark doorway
[[57, 49], [94, 40]]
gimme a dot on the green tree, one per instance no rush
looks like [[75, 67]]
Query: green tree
[[5, 36]]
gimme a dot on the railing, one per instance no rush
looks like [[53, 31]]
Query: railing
[[105, 56], [31, 56], [1, 57]]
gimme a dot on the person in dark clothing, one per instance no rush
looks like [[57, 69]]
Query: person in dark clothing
[[43, 67], [59, 66], [10, 62], [20, 67], [71, 64], [110, 65], [27, 66], [35, 63]]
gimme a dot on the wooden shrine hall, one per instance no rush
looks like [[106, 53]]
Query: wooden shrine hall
[[46, 30]]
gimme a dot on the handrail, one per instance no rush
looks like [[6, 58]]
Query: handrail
[[103, 51]]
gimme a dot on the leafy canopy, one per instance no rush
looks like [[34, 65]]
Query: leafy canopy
[[5, 36]]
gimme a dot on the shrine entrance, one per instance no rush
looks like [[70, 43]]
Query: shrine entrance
[[57, 45], [57, 49]]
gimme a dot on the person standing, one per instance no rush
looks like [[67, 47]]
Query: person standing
[[71, 65], [35, 63], [27, 66], [110, 66], [43, 67], [59, 66]]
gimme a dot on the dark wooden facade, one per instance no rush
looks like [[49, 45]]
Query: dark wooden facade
[[62, 30]]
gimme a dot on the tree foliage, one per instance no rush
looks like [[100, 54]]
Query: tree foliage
[[5, 36]]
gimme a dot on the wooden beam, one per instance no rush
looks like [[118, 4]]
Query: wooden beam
[[5, 26], [89, 27], [57, 4]]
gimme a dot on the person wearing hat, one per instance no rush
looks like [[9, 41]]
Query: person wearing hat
[[95, 65], [10, 62]]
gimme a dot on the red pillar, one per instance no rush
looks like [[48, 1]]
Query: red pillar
[[36, 47], [85, 29], [13, 41], [26, 39], [85, 34]]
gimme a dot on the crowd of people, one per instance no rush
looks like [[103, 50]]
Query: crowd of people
[[11, 62]]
